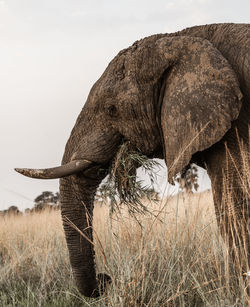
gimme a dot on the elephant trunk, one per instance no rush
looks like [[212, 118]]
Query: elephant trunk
[[77, 197], [77, 201]]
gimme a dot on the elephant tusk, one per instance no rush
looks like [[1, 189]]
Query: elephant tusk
[[55, 172]]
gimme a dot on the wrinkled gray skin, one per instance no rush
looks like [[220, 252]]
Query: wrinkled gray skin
[[175, 96]]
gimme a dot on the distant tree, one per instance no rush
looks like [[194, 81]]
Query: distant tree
[[27, 210], [153, 194], [46, 200], [12, 210], [188, 179], [47, 197]]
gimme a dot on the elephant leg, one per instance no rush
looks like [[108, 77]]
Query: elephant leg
[[230, 187]]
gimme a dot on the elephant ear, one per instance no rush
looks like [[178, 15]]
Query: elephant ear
[[200, 97]]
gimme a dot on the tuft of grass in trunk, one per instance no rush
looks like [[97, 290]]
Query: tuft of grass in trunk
[[122, 186]]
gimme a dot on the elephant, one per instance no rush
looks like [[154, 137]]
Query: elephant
[[183, 97]]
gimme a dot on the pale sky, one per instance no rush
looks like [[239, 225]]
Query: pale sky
[[51, 53]]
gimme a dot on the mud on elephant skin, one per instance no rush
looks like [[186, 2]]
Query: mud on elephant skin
[[181, 96]]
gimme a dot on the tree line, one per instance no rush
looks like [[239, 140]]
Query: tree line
[[45, 201]]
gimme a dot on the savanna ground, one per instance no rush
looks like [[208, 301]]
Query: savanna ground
[[175, 258]]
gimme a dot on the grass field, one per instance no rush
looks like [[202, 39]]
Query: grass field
[[174, 259]]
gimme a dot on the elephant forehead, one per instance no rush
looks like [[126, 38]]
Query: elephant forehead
[[109, 90]]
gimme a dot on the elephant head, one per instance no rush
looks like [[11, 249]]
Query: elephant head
[[170, 97]]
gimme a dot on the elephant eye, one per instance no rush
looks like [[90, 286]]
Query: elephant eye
[[112, 111]]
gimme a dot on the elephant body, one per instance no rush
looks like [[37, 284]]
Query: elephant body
[[225, 164], [184, 97]]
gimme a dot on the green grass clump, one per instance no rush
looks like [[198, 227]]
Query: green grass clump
[[122, 185]]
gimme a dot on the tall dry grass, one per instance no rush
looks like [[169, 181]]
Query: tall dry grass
[[176, 258]]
